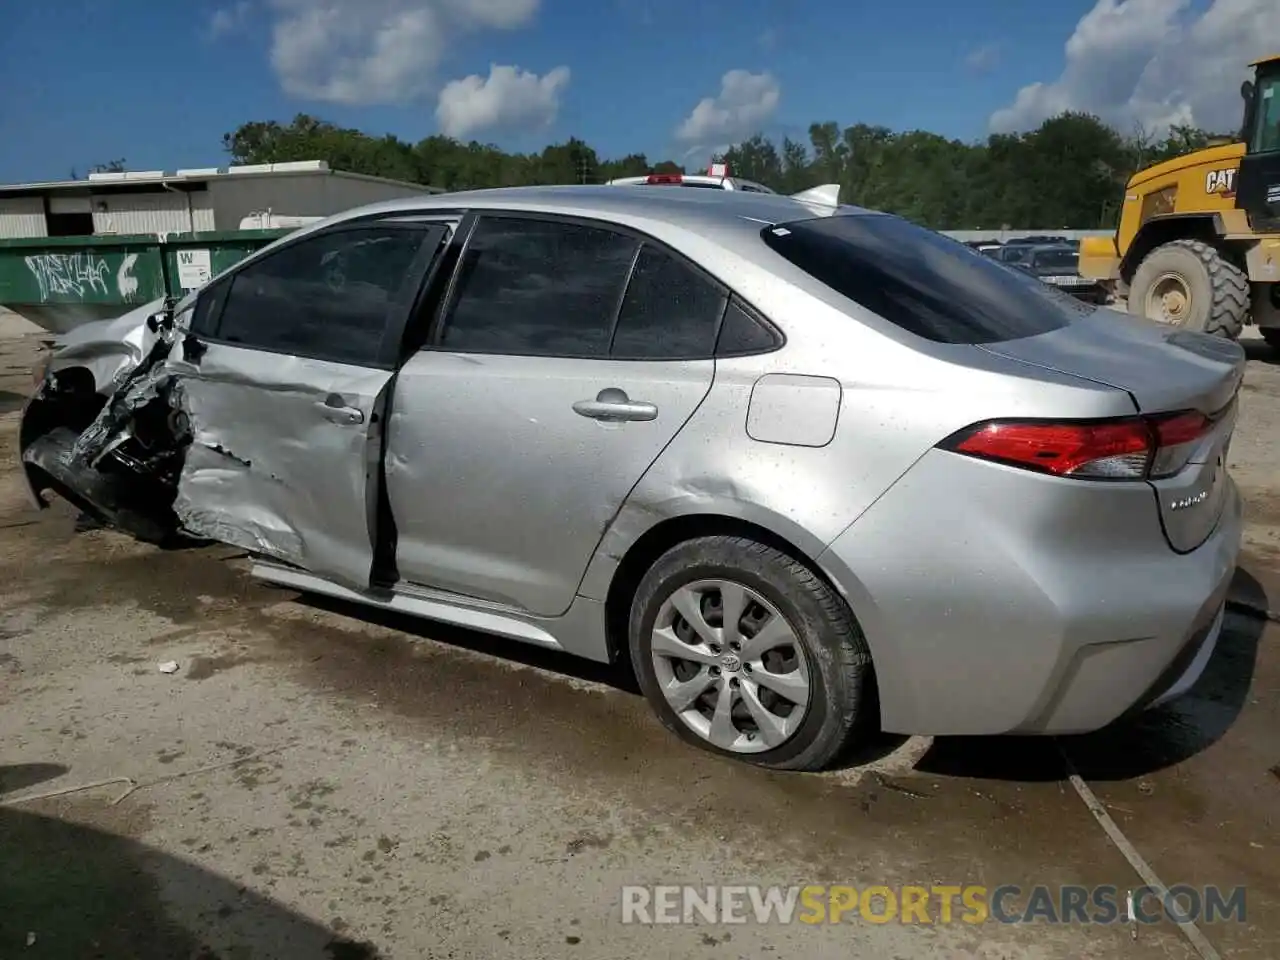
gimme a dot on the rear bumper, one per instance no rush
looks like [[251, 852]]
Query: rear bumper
[[999, 601]]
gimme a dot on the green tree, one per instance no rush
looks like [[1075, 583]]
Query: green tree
[[1067, 173]]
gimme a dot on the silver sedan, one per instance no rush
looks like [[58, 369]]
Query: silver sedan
[[807, 469]]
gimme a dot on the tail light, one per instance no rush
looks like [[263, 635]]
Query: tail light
[[1133, 448], [672, 178]]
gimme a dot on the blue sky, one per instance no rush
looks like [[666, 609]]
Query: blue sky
[[158, 82]]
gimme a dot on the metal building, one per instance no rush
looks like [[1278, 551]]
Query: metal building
[[189, 201]]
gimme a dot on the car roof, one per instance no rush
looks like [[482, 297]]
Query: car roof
[[695, 210]]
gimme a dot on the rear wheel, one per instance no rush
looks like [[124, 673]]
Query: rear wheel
[[1189, 284], [745, 651]]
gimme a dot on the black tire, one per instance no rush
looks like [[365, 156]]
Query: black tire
[[835, 651], [1219, 290]]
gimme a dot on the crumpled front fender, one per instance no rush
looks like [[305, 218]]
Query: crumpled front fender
[[108, 349]]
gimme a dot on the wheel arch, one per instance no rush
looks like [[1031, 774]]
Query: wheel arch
[[1158, 231], [659, 537], [68, 397]]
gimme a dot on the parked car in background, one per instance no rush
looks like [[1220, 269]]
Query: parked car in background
[[807, 468], [716, 178], [1037, 240], [983, 246], [1010, 252], [1058, 266]]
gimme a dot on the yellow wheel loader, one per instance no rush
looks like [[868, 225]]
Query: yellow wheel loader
[[1198, 243]]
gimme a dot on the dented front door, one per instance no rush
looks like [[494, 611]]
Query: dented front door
[[284, 380]]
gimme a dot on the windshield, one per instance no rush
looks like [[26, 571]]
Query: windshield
[[1266, 131], [921, 281], [1057, 258]]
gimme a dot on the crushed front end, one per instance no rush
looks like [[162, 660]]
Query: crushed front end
[[101, 429]]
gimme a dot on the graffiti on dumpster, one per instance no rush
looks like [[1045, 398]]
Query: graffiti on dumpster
[[126, 282], [68, 274]]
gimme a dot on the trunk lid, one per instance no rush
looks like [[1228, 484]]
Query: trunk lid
[[1164, 369]]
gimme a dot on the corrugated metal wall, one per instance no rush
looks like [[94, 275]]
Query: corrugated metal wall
[[22, 217], [161, 212], [299, 195]]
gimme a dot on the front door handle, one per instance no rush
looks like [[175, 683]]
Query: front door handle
[[614, 406], [335, 410]]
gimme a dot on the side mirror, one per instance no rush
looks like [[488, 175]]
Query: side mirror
[[1246, 90], [163, 320]]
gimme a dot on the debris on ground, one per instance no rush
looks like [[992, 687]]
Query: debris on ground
[[169, 666]]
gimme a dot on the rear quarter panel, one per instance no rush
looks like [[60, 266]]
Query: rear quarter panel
[[899, 396]]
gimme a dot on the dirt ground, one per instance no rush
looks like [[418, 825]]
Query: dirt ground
[[313, 783]]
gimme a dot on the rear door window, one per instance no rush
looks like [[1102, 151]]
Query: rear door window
[[921, 281], [670, 311], [529, 287]]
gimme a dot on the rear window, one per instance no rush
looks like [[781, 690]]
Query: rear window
[[921, 281], [1057, 258]]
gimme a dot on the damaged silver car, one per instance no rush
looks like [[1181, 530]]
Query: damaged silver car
[[807, 468]]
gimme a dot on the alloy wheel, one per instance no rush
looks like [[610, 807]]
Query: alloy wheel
[[730, 666]]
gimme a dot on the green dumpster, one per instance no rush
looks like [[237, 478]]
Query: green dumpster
[[191, 259], [59, 283]]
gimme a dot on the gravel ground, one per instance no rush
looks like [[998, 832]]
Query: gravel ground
[[313, 783]]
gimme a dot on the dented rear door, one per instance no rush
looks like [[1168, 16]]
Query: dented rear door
[[284, 378]]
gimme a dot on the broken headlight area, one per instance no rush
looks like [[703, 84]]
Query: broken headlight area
[[118, 459]]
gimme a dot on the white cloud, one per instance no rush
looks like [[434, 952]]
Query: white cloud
[[984, 58], [376, 51], [226, 20], [745, 102], [1153, 63], [508, 98]]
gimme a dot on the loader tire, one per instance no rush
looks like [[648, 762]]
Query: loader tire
[[1190, 284]]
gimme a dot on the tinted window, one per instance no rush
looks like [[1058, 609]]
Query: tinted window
[[327, 297], [669, 312], [921, 281], [1057, 258], [204, 319], [536, 287], [742, 333], [1266, 137]]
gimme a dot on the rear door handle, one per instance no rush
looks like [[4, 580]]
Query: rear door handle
[[614, 406], [335, 409]]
